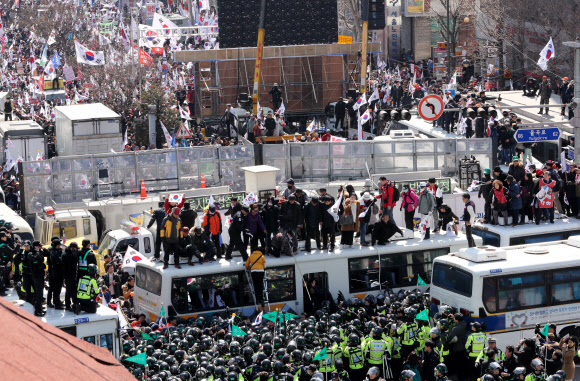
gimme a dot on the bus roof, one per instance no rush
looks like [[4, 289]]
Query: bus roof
[[62, 318], [563, 224], [539, 256], [236, 264]]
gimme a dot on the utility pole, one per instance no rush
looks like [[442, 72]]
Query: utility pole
[[259, 54], [576, 120], [364, 39]]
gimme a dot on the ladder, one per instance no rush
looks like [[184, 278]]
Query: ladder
[[266, 301], [104, 183]]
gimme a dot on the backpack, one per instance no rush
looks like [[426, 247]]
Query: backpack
[[396, 194]]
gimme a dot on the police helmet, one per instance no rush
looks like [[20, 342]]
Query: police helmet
[[435, 331], [494, 366], [536, 363], [441, 368], [487, 377], [92, 269], [407, 375], [519, 371], [377, 333]]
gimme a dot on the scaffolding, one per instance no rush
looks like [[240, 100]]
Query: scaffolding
[[310, 76]]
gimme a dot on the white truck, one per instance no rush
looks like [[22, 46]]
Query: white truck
[[23, 139], [87, 129], [129, 235]]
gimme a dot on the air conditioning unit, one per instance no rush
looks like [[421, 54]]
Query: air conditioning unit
[[482, 254], [402, 134]]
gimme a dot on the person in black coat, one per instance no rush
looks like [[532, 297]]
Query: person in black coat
[[237, 228], [112, 281], [70, 260], [55, 276], [271, 217], [328, 223], [545, 91], [351, 115], [203, 244], [484, 189], [480, 127], [270, 124], [397, 94], [37, 267], [276, 97], [157, 217], [340, 113], [430, 360], [312, 220], [384, 230], [188, 216], [290, 215]]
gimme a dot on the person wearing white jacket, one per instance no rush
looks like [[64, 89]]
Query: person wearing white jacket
[[469, 218]]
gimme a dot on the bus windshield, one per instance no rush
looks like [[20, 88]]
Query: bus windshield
[[452, 279], [107, 244]]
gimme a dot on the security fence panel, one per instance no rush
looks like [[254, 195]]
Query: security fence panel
[[277, 155], [316, 160], [189, 175], [347, 159]]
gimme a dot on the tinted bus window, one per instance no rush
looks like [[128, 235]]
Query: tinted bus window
[[538, 238], [452, 279], [489, 238], [396, 270], [148, 280], [281, 284]]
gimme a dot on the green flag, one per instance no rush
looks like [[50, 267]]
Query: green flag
[[162, 312], [321, 355], [145, 336], [141, 358], [420, 281], [287, 316], [237, 331], [271, 316], [546, 330], [423, 315]]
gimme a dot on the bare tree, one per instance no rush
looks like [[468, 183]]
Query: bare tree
[[349, 18]]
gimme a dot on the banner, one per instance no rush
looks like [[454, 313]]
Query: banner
[[144, 58], [105, 27]]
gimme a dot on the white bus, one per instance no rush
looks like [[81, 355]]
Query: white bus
[[209, 288], [500, 236], [100, 328], [512, 289]]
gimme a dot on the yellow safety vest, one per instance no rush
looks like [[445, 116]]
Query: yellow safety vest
[[87, 288], [475, 343], [355, 357]]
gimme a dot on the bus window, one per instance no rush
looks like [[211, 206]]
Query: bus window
[[563, 290], [363, 273], [106, 341], [452, 279], [89, 339], [489, 294], [489, 238], [422, 263], [517, 291], [148, 280], [72, 330], [147, 244], [537, 238], [281, 284], [86, 226], [209, 292]]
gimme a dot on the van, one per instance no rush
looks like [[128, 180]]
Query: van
[[21, 229]]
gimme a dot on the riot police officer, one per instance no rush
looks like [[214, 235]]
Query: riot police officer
[[86, 258], [70, 260], [22, 276], [37, 267], [354, 355], [55, 276], [6, 257], [87, 290]]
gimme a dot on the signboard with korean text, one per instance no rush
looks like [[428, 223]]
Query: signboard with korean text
[[415, 7], [525, 135], [200, 202], [393, 29]]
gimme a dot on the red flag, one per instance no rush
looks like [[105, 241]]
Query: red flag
[[144, 58], [41, 83], [79, 75]]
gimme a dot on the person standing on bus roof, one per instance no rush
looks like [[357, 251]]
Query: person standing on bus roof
[[212, 224], [425, 206], [389, 196], [485, 189], [237, 228], [515, 203], [188, 216], [86, 258], [37, 267], [55, 276], [157, 217], [545, 197], [438, 194], [170, 234], [256, 264]]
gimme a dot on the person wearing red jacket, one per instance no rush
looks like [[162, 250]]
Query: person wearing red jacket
[[387, 192]]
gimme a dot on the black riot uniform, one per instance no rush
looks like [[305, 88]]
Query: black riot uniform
[[37, 267]]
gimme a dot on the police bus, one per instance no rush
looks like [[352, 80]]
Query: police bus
[[99, 328], [215, 286], [500, 236], [512, 289]]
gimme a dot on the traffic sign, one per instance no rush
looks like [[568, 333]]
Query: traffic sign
[[183, 143], [183, 132], [431, 107], [528, 135], [69, 36]]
